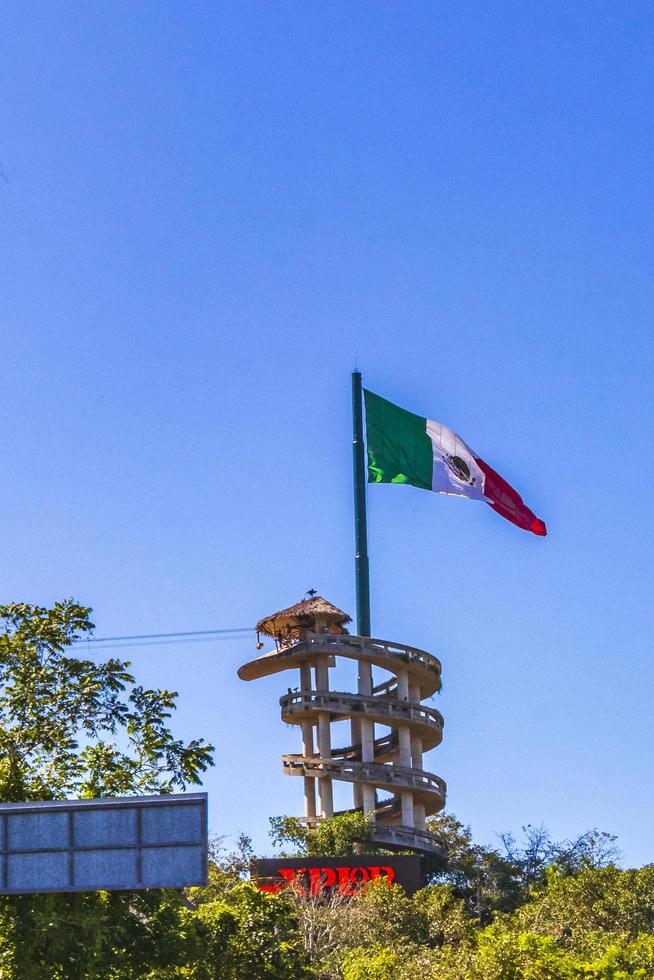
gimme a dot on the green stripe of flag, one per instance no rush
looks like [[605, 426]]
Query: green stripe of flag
[[399, 449]]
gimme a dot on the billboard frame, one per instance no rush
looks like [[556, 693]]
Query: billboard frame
[[139, 845]]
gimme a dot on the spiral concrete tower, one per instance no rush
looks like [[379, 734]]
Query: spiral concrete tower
[[309, 637]]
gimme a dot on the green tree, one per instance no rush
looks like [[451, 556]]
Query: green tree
[[339, 835], [248, 934], [70, 725], [487, 880], [572, 907], [372, 963], [492, 880], [225, 869], [73, 726]]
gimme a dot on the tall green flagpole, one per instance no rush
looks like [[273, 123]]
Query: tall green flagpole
[[360, 521]]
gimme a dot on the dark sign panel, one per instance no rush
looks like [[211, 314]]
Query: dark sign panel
[[84, 845], [343, 876]]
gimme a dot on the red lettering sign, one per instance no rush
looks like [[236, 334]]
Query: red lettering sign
[[348, 879]]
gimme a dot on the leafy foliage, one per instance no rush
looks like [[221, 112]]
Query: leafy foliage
[[536, 909], [69, 725], [492, 880], [593, 924], [248, 934], [339, 835]]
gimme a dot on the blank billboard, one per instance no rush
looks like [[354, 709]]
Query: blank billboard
[[84, 845]]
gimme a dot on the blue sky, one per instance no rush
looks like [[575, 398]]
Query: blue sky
[[209, 211]]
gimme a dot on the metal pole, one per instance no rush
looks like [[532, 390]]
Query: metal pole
[[360, 522]]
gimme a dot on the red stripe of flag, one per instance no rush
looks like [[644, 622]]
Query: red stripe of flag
[[508, 502]]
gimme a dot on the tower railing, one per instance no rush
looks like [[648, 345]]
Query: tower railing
[[389, 762]]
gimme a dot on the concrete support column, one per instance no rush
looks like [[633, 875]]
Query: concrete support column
[[367, 736], [308, 747], [309, 781], [404, 751], [322, 675], [407, 809], [309, 797], [355, 739], [367, 741], [369, 800], [403, 685], [324, 736], [416, 741], [355, 732], [325, 793], [365, 677], [416, 752], [305, 677], [415, 755], [404, 759]]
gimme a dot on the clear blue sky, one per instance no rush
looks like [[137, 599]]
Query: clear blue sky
[[207, 210]]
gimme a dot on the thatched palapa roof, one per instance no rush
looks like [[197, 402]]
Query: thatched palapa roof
[[303, 615]]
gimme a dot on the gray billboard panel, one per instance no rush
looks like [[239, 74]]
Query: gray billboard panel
[[83, 845]]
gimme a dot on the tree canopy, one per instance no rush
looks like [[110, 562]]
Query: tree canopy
[[70, 725]]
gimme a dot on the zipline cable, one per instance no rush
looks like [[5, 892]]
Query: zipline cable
[[157, 643], [156, 636], [162, 639]]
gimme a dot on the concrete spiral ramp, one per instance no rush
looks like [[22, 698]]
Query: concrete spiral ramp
[[386, 772]]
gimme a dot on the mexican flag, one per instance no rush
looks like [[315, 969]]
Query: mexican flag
[[405, 448]]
